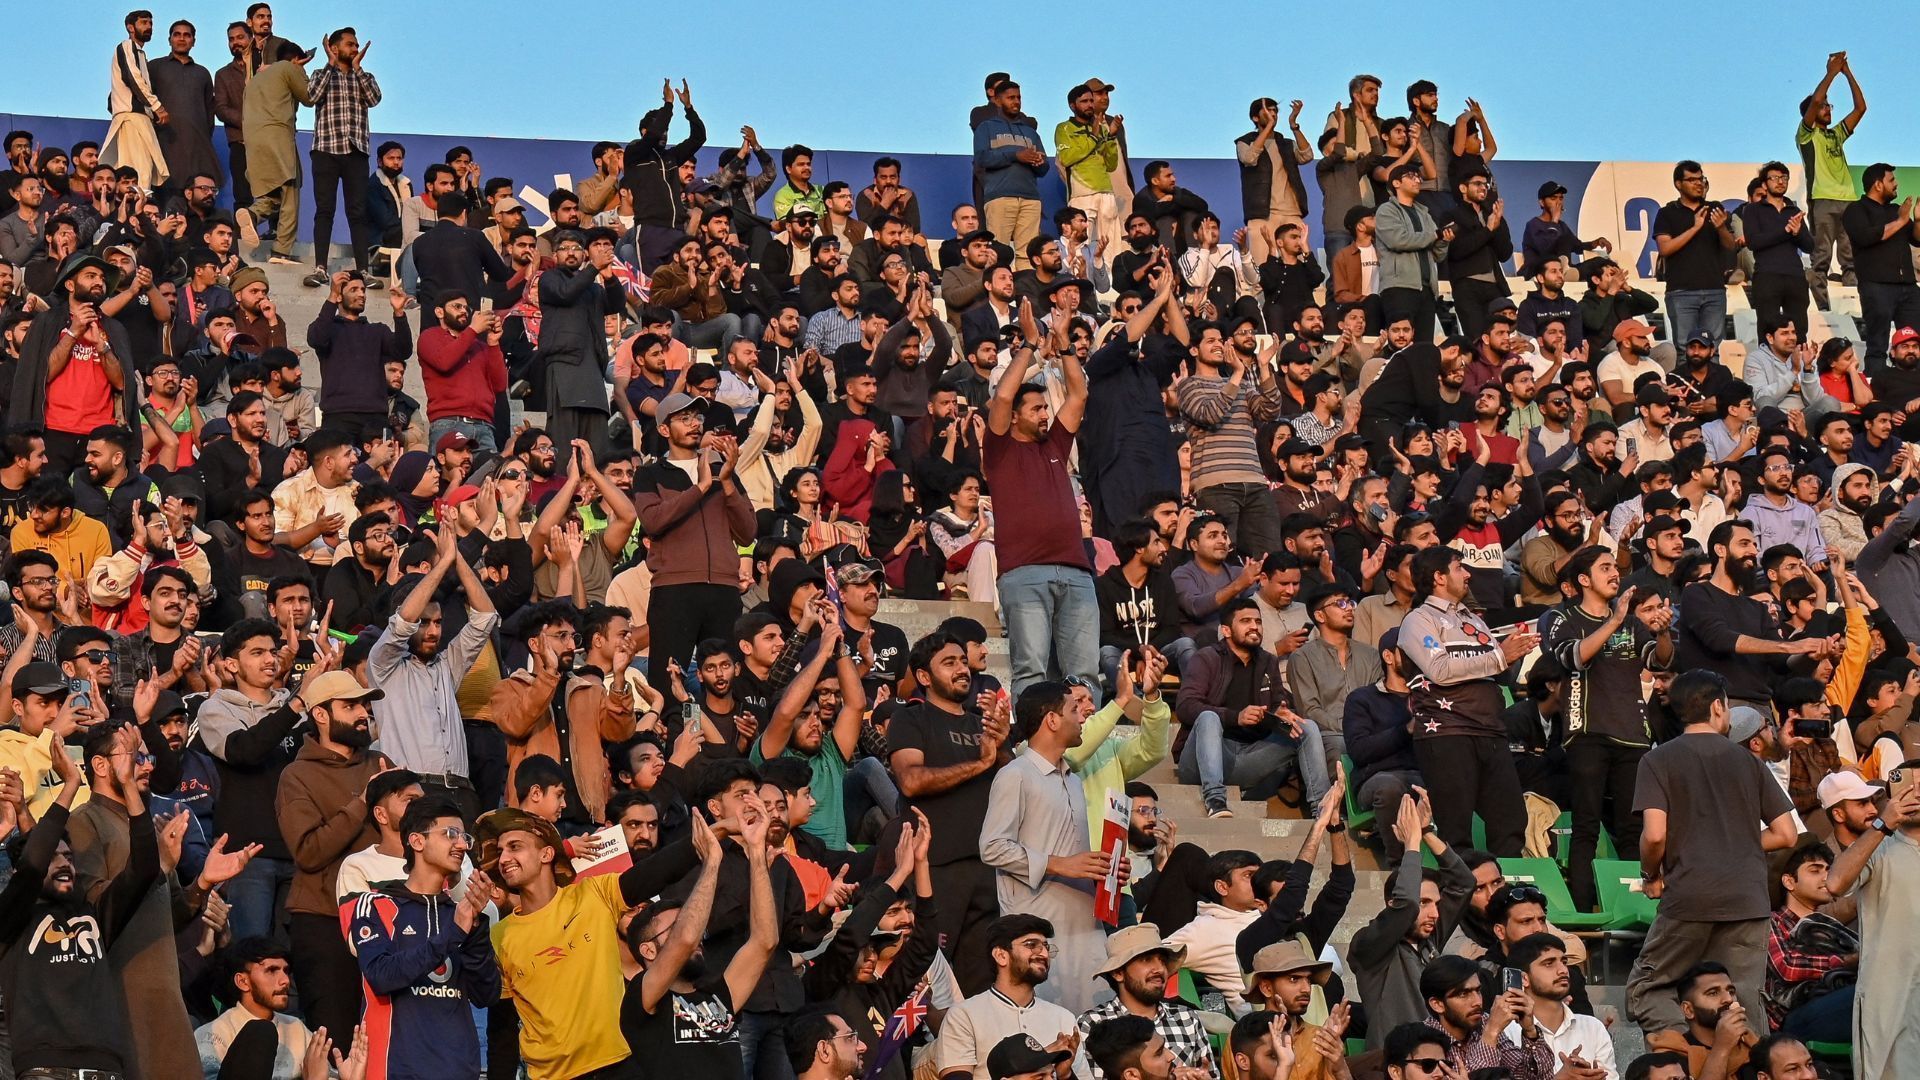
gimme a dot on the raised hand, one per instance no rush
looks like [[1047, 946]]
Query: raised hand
[[223, 865]]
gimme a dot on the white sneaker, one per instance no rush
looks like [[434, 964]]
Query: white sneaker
[[244, 229]]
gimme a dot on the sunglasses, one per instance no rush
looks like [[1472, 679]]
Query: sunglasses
[[1428, 1064], [94, 656]]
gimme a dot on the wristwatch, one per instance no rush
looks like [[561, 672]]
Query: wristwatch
[[1884, 828], [1649, 878], [1336, 828], [1431, 829]]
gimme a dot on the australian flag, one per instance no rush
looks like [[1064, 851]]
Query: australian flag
[[900, 1027]]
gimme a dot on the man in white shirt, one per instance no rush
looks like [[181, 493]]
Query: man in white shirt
[[1623, 368], [388, 796], [1645, 436], [1022, 952], [1211, 937], [1580, 1039]]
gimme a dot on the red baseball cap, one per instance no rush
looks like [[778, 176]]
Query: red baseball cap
[[1905, 333]]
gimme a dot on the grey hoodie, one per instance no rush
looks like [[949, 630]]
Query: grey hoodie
[[250, 743]]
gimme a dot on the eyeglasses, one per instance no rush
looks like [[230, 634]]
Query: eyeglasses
[[1039, 946], [847, 1034], [38, 582], [453, 832], [1339, 602]]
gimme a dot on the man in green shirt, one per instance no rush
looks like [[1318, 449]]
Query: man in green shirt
[[1086, 148], [1830, 185]]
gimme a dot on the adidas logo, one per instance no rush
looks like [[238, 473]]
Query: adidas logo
[[406, 931]]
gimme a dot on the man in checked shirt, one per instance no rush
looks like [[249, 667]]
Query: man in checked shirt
[[1801, 1000], [342, 93]]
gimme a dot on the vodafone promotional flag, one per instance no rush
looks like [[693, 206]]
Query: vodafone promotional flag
[[1113, 841]]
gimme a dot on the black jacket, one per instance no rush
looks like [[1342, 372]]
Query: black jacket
[[1476, 249], [1407, 389], [449, 256], [653, 168]]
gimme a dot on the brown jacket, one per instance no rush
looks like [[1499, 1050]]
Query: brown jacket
[[322, 808], [521, 711], [598, 193], [695, 537], [1348, 279], [692, 298]]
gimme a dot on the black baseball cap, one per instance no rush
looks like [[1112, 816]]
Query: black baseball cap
[[41, 678], [1551, 188], [1017, 1055]]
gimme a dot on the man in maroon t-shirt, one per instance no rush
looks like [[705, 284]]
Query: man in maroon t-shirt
[[1046, 580]]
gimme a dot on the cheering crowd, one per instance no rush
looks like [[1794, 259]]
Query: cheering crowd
[[349, 734]]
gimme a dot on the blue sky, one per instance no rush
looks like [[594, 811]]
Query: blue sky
[[1558, 81]]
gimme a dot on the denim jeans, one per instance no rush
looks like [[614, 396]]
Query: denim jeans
[[867, 785], [1382, 794], [1827, 1018], [1696, 309], [1331, 242], [259, 898], [1177, 652], [762, 1050], [481, 434], [1053, 623], [1213, 761], [718, 332]]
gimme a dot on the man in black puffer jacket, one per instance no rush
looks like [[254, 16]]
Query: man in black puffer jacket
[[653, 176]]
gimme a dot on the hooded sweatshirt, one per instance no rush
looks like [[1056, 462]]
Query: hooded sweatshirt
[[322, 810], [1840, 527], [251, 743]]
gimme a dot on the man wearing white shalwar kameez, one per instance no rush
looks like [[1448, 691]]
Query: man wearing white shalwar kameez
[[132, 139], [1035, 838], [1885, 864]]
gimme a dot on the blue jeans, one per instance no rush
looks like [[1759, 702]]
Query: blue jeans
[[718, 332], [1053, 624], [1177, 652], [1331, 242], [259, 898], [481, 434], [762, 1050], [1214, 761], [1696, 309], [1827, 1018], [867, 785]]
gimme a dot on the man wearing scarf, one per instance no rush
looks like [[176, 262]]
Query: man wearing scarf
[[74, 370]]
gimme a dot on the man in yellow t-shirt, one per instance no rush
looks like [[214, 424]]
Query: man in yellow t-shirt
[[559, 950], [39, 691]]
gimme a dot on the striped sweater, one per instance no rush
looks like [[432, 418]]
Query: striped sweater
[[1222, 437]]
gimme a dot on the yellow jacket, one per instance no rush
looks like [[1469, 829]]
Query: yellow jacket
[[1106, 764], [31, 756]]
